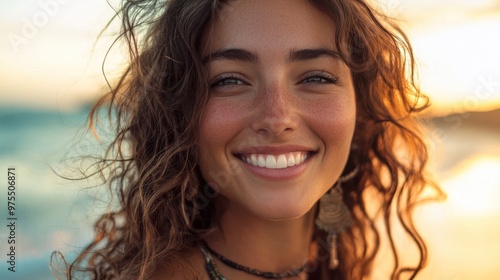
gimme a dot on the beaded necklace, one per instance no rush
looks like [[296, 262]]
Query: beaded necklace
[[214, 273]]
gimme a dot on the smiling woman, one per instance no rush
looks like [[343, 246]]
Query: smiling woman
[[249, 132], [286, 86]]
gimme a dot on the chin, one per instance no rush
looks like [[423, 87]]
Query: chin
[[283, 210]]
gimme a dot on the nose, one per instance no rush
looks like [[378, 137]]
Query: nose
[[276, 113]]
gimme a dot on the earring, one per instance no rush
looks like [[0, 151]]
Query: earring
[[333, 216]]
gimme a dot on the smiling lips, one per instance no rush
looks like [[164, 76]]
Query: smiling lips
[[276, 161]]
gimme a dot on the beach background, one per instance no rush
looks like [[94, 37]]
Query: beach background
[[51, 71]]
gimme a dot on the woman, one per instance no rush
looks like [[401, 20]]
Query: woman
[[235, 118]]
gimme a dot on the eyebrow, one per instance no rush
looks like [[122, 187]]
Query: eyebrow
[[248, 56], [308, 54], [232, 54]]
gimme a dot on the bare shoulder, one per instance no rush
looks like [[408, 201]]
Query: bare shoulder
[[190, 265]]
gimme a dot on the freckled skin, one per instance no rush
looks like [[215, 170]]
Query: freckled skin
[[273, 104]]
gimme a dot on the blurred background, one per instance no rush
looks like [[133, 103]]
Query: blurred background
[[51, 70]]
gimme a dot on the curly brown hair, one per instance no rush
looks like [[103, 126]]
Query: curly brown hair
[[152, 164]]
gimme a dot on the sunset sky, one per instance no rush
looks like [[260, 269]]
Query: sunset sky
[[47, 58]]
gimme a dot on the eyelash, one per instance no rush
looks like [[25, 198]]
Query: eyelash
[[328, 79], [324, 77], [226, 77]]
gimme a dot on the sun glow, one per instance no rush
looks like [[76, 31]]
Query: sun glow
[[475, 189], [462, 232], [458, 62]]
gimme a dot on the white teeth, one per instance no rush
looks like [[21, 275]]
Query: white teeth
[[281, 162], [253, 159], [276, 161], [271, 162], [261, 161], [298, 158]]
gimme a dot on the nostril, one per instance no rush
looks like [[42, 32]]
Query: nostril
[[276, 125]]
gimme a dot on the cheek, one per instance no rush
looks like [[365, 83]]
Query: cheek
[[220, 124], [217, 122], [221, 121], [334, 121]]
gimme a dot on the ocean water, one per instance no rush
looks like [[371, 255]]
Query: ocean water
[[53, 214], [57, 214]]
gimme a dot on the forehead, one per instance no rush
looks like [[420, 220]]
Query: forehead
[[270, 25]]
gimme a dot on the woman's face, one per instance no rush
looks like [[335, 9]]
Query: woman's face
[[276, 132]]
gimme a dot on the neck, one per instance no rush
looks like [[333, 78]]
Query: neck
[[274, 246]]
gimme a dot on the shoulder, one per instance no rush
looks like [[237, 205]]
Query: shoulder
[[189, 265]]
